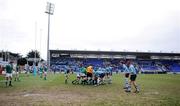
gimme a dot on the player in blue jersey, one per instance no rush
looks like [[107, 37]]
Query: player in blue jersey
[[99, 76], [66, 74], [133, 76], [108, 70], [34, 69], [126, 74], [95, 77]]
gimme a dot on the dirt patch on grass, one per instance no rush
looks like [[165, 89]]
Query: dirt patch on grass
[[151, 93], [42, 98]]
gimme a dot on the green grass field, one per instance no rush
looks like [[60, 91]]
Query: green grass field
[[156, 90]]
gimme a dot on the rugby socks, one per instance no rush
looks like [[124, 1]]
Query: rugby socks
[[126, 83], [66, 81], [6, 82], [44, 78], [98, 80], [128, 89], [40, 75], [18, 79], [110, 79], [10, 83], [137, 88]]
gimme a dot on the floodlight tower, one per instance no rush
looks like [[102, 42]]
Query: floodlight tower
[[49, 11]]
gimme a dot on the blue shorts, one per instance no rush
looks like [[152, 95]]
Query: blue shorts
[[101, 75]]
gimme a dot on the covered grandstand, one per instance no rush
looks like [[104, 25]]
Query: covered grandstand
[[147, 62], [6, 56]]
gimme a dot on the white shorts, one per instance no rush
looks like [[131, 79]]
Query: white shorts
[[78, 75], [9, 75], [82, 74]]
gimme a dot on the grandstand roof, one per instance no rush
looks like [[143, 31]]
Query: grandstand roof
[[114, 53]]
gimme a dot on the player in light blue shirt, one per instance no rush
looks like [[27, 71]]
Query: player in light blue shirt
[[126, 74], [132, 69], [99, 76], [125, 69], [109, 74], [133, 76]]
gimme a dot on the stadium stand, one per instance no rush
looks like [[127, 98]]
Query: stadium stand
[[146, 62]]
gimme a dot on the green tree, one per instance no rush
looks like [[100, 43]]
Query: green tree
[[33, 54], [22, 61]]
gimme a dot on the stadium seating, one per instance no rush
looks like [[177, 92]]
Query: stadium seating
[[175, 67], [148, 66]]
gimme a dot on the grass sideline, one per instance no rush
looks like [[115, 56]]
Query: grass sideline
[[156, 90]]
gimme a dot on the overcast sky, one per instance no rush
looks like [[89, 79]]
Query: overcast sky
[[91, 24]]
